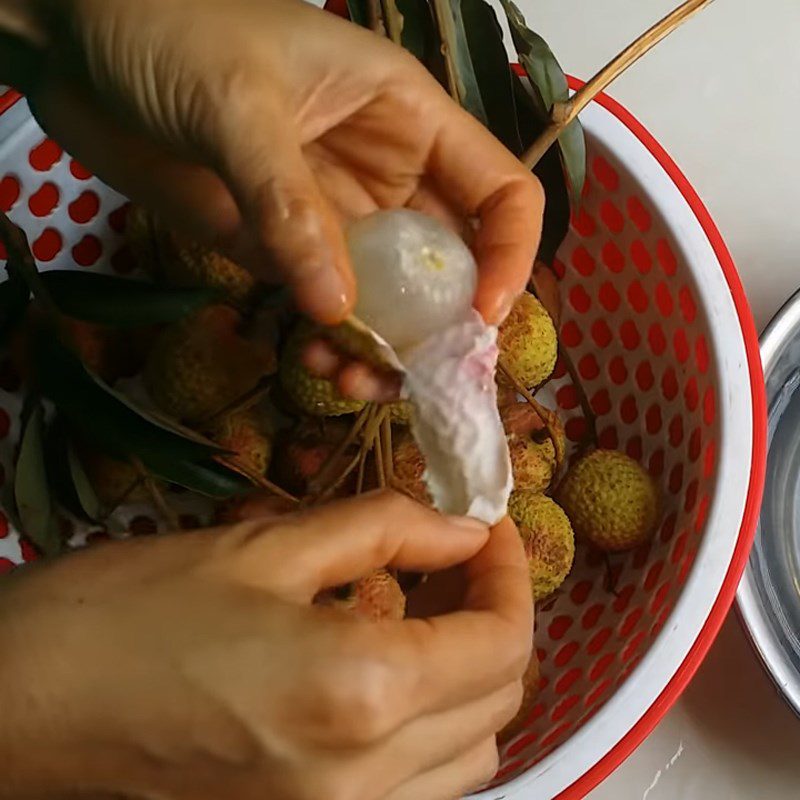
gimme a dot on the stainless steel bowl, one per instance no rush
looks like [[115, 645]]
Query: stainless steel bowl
[[769, 594]]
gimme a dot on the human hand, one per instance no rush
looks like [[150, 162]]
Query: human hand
[[264, 127], [195, 665]]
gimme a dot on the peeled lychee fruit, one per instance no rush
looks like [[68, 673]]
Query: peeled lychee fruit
[[548, 538], [376, 597], [530, 691], [415, 276], [316, 396], [528, 343], [409, 468], [201, 364], [611, 500], [246, 434]]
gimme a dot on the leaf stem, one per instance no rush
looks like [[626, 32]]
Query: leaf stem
[[446, 25], [20, 258], [393, 20], [563, 114]]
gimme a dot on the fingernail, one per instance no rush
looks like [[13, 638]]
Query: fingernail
[[324, 297], [503, 306], [469, 523]]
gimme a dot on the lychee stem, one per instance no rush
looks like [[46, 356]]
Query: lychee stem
[[392, 20], [117, 502], [255, 478], [563, 114], [388, 452], [445, 24], [540, 410], [20, 258], [377, 447], [591, 438], [373, 425], [320, 481]]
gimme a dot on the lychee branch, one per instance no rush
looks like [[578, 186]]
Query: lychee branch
[[562, 114], [323, 478], [257, 479], [586, 407], [543, 413]]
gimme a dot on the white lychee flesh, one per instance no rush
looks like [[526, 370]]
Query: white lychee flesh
[[415, 277]]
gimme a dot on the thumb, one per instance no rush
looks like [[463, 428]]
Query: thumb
[[348, 539], [289, 225]]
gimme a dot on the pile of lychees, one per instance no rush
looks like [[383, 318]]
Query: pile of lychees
[[233, 372]]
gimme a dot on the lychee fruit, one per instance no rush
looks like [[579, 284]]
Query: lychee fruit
[[201, 364], [305, 450], [376, 597], [145, 240], [530, 691], [316, 396], [611, 501], [548, 539], [528, 343], [187, 263], [533, 455], [409, 469], [245, 434], [112, 479]]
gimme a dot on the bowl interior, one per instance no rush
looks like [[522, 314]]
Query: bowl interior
[[636, 327], [638, 334]]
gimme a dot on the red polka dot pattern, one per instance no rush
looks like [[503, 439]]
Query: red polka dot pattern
[[636, 329]]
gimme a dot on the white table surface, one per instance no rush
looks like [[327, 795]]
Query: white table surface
[[721, 96]]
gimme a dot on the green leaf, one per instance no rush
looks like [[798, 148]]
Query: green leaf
[[87, 497], [14, 298], [115, 426], [532, 120], [492, 71], [550, 83], [454, 37], [121, 302], [204, 477], [31, 492], [359, 12], [59, 478]]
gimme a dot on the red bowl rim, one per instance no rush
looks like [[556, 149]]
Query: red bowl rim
[[673, 690]]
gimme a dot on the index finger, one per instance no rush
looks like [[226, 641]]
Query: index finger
[[480, 177], [455, 658]]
